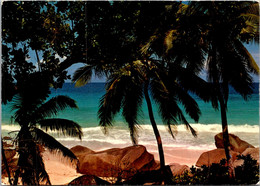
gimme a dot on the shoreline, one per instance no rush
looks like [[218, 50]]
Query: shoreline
[[183, 150], [61, 171]]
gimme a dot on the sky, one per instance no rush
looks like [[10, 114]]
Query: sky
[[252, 48]]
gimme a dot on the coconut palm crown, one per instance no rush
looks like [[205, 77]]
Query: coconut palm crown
[[142, 79], [33, 112]]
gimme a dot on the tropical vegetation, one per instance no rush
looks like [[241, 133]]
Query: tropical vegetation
[[217, 30], [128, 83], [33, 112], [152, 51], [218, 174]]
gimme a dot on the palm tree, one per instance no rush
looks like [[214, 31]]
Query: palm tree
[[141, 79], [216, 30], [167, 79], [228, 25], [34, 114]]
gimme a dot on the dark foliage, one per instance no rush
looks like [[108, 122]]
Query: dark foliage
[[248, 173], [218, 174]]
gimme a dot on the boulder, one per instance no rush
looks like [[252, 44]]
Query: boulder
[[88, 180], [114, 162], [178, 169], [81, 151], [236, 144], [254, 152], [214, 156], [9, 154]]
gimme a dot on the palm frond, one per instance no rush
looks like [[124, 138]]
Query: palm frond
[[168, 103], [30, 162], [63, 126], [186, 123], [51, 143], [168, 41], [235, 68], [147, 46], [110, 103], [172, 129], [251, 14], [250, 62], [83, 75], [23, 109], [194, 84], [132, 104], [190, 105], [53, 106]]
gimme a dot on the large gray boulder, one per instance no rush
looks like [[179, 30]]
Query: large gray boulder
[[236, 144], [123, 162]]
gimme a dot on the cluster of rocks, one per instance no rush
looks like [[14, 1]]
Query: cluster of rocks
[[116, 162], [125, 162], [237, 147]]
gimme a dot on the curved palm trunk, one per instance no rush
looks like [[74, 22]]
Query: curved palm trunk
[[155, 129], [165, 173]]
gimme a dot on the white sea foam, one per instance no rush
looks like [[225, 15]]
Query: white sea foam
[[10, 127], [181, 128], [211, 128], [119, 136]]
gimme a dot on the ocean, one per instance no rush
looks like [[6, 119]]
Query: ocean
[[243, 120]]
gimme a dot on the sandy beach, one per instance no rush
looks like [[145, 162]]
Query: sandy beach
[[61, 171]]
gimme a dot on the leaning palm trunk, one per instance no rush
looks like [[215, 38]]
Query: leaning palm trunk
[[166, 175], [155, 129]]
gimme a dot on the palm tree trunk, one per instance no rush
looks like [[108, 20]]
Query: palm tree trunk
[[165, 171], [155, 129], [223, 106], [224, 127], [6, 164]]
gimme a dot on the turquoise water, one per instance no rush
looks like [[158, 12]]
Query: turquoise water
[[240, 112], [243, 119]]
